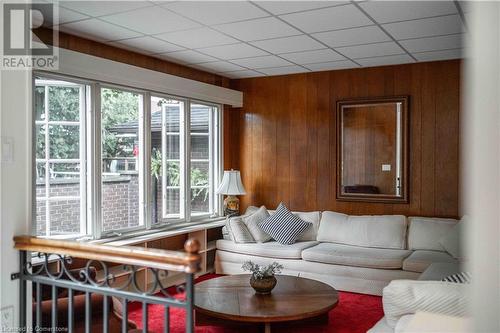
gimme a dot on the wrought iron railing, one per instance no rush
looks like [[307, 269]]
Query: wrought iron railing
[[106, 279]]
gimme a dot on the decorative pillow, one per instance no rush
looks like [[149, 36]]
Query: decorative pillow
[[451, 242], [462, 277], [283, 226], [238, 231], [250, 210], [252, 222]]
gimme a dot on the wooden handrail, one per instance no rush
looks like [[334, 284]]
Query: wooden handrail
[[188, 262]]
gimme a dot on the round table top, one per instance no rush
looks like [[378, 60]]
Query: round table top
[[293, 298]]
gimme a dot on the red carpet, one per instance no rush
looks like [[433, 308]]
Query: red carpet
[[355, 313]]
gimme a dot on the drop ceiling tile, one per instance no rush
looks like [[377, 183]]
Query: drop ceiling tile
[[197, 38], [186, 57], [333, 18], [289, 44], [332, 65], [371, 50], [433, 43], [443, 25], [440, 55], [219, 66], [264, 28], [241, 74], [217, 12], [311, 57], [99, 8], [392, 11], [283, 70], [285, 7], [389, 60], [262, 62], [147, 45], [354, 36], [151, 20], [233, 51], [66, 16], [97, 30]]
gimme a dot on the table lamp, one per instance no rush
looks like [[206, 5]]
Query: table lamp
[[231, 186]]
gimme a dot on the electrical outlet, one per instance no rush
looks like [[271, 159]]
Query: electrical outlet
[[7, 319]]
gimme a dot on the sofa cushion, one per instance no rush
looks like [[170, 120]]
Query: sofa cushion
[[425, 232], [268, 249], [379, 231], [451, 241], [348, 255], [419, 260], [438, 270], [312, 232]]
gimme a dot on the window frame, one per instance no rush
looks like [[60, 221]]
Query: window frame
[[93, 159], [83, 153]]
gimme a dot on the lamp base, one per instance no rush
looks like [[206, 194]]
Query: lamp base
[[231, 206]]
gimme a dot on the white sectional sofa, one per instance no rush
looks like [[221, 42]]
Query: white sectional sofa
[[352, 253]]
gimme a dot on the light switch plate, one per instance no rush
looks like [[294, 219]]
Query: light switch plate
[[386, 167], [7, 150], [7, 319]]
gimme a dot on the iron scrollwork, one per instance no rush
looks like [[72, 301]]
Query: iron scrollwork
[[128, 278]]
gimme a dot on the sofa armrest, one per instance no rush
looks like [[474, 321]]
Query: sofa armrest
[[404, 297]]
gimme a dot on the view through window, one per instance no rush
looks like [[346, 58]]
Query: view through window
[[183, 136]]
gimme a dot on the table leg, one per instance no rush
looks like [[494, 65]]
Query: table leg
[[267, 328]]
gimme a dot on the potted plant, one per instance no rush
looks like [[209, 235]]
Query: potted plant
[[262, 279]]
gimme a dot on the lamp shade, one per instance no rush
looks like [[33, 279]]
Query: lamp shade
[[231, 184]]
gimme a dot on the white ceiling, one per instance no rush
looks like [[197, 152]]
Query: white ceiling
[[239, 39]]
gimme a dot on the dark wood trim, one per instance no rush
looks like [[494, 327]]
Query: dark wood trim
[[87, 46], [188, 261], [405, 147]]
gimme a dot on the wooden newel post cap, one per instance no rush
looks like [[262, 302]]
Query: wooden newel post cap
[[192, 246]]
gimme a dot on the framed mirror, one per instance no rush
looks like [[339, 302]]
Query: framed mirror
[[372, 150]]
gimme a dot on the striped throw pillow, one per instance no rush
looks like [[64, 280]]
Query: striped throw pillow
[[283, 226], [462, 277]]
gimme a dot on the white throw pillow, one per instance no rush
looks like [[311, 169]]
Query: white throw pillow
[[252, 222], [238, 231]]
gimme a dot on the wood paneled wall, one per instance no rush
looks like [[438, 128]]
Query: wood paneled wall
[[283, 139]]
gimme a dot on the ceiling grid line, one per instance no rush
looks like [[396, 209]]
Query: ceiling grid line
[[383, 29]]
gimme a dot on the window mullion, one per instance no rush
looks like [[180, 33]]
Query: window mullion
[[186, 187], [145, 160], [47, 165], [95, 163], [83, 151]]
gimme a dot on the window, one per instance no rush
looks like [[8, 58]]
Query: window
[[120, 151], [176, 193], [92, 175], [60, 154]]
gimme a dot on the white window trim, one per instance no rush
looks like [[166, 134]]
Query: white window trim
[[93, 221]]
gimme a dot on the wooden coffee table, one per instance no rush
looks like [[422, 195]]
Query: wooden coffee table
[[232, 298]]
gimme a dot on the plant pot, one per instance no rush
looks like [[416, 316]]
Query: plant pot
[[263, 286]]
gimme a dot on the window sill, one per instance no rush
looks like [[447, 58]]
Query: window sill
[[142, 236]]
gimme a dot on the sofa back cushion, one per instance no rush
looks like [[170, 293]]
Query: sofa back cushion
[[425, 233], [379, 231]]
